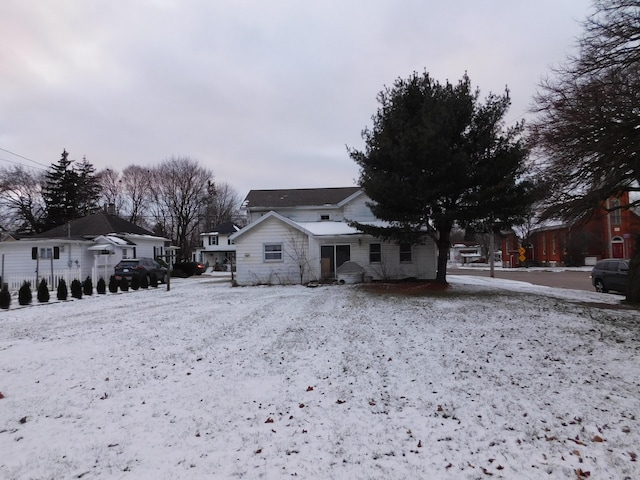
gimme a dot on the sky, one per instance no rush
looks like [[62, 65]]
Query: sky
[[491, 379], [263, 94]]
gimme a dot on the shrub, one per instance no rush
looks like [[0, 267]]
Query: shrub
[[87, 286], [76, 289], [124, 284], [113, 284], [135, 281], [144, 281], [63, 291], [24, 294], [101, 286], [5, 297], [153, 280], [43, 291]]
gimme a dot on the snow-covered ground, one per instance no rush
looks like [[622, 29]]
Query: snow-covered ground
[[488, 379]]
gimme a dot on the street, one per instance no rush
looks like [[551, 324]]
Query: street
[[559, 277]]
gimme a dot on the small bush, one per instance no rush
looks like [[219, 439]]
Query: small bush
[[153, 280], [87, 286], [101, 286], [144, 282], [76, 289], [43, 291], [24, 294], [124, 284], [63, 291], [5, 297], [113, 284], [135, 281]]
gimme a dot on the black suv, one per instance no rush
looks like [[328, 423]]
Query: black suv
[[611, 274], [141, 266]]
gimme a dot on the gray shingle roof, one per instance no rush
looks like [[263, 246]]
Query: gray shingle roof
[[91, 226], [298, 197]]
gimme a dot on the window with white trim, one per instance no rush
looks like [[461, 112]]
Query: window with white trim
[[213, 240], [272, 252], [46, 253]]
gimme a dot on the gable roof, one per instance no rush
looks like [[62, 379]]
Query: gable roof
[[299, 197], [91, 226], [225, 228]]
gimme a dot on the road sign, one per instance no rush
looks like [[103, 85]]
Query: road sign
[[522, 251], [522, 258]]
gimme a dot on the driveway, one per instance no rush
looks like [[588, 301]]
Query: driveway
[[575, 279]]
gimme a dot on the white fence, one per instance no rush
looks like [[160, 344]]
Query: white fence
[[14, 282]]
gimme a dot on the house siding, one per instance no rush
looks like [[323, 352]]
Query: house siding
[[252, 269]]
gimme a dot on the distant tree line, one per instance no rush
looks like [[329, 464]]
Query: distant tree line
[[177, 199]]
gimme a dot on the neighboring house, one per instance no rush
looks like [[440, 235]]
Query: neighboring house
[[87, 247], [463, 253], [607, 234], [302, 235], [216, 249]]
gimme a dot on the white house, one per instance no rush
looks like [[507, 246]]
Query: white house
[[216, 248], [302, 235], [87, 247]]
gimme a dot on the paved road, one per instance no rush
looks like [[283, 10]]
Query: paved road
[[560, 278]]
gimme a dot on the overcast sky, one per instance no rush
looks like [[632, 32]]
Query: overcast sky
[[266, 94]]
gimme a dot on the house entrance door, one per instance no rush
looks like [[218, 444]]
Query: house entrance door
[[617, 247], [331, 257]]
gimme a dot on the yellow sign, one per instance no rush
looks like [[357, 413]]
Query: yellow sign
[[522, 251], [522, 258]]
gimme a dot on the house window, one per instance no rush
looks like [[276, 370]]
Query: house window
[[616, 215], [544, 244], [405, 252], [46, 253], [213, 240], [272, 252], [375, 253], [325, 217]]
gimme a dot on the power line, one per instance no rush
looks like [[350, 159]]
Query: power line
[[18, 163], [21, 156]]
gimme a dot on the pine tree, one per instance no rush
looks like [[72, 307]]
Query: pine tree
[[5, 297], [76, 289], [43, 291], [63, 291], [24, 294], [69, 192]]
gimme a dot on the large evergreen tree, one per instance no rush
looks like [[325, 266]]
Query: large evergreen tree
[[437, 157], [69, 192]]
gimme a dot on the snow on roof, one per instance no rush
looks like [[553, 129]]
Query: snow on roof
[[335, 228]]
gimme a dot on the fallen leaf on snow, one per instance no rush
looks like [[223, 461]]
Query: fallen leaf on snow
[[269, 420], [598, 438]]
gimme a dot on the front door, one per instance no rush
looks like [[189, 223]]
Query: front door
[[617, 249], [331, 257]]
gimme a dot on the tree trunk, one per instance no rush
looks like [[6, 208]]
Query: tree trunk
[[444, 243], [633, 290]]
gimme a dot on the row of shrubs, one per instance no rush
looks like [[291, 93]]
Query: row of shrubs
[[78, 289]]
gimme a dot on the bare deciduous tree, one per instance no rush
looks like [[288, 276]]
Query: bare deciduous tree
[[179, 193], [21, 198]]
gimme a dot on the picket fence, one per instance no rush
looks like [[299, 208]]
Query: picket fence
[[14, 282]]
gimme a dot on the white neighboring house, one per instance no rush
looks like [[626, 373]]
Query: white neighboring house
[[87, 247], [216, 249], [302, 235]]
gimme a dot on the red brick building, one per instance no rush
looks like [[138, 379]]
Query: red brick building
[[604, 235]]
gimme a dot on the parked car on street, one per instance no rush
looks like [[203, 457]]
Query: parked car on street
[[611, 274], [187, 269], [142, 266]]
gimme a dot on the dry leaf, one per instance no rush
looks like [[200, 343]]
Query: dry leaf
[[269, 420]]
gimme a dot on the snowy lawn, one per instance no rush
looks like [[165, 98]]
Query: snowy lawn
[[488, 379]]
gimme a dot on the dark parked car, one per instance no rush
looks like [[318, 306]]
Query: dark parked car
[[187, 269], [611, 274], [141, 266]]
